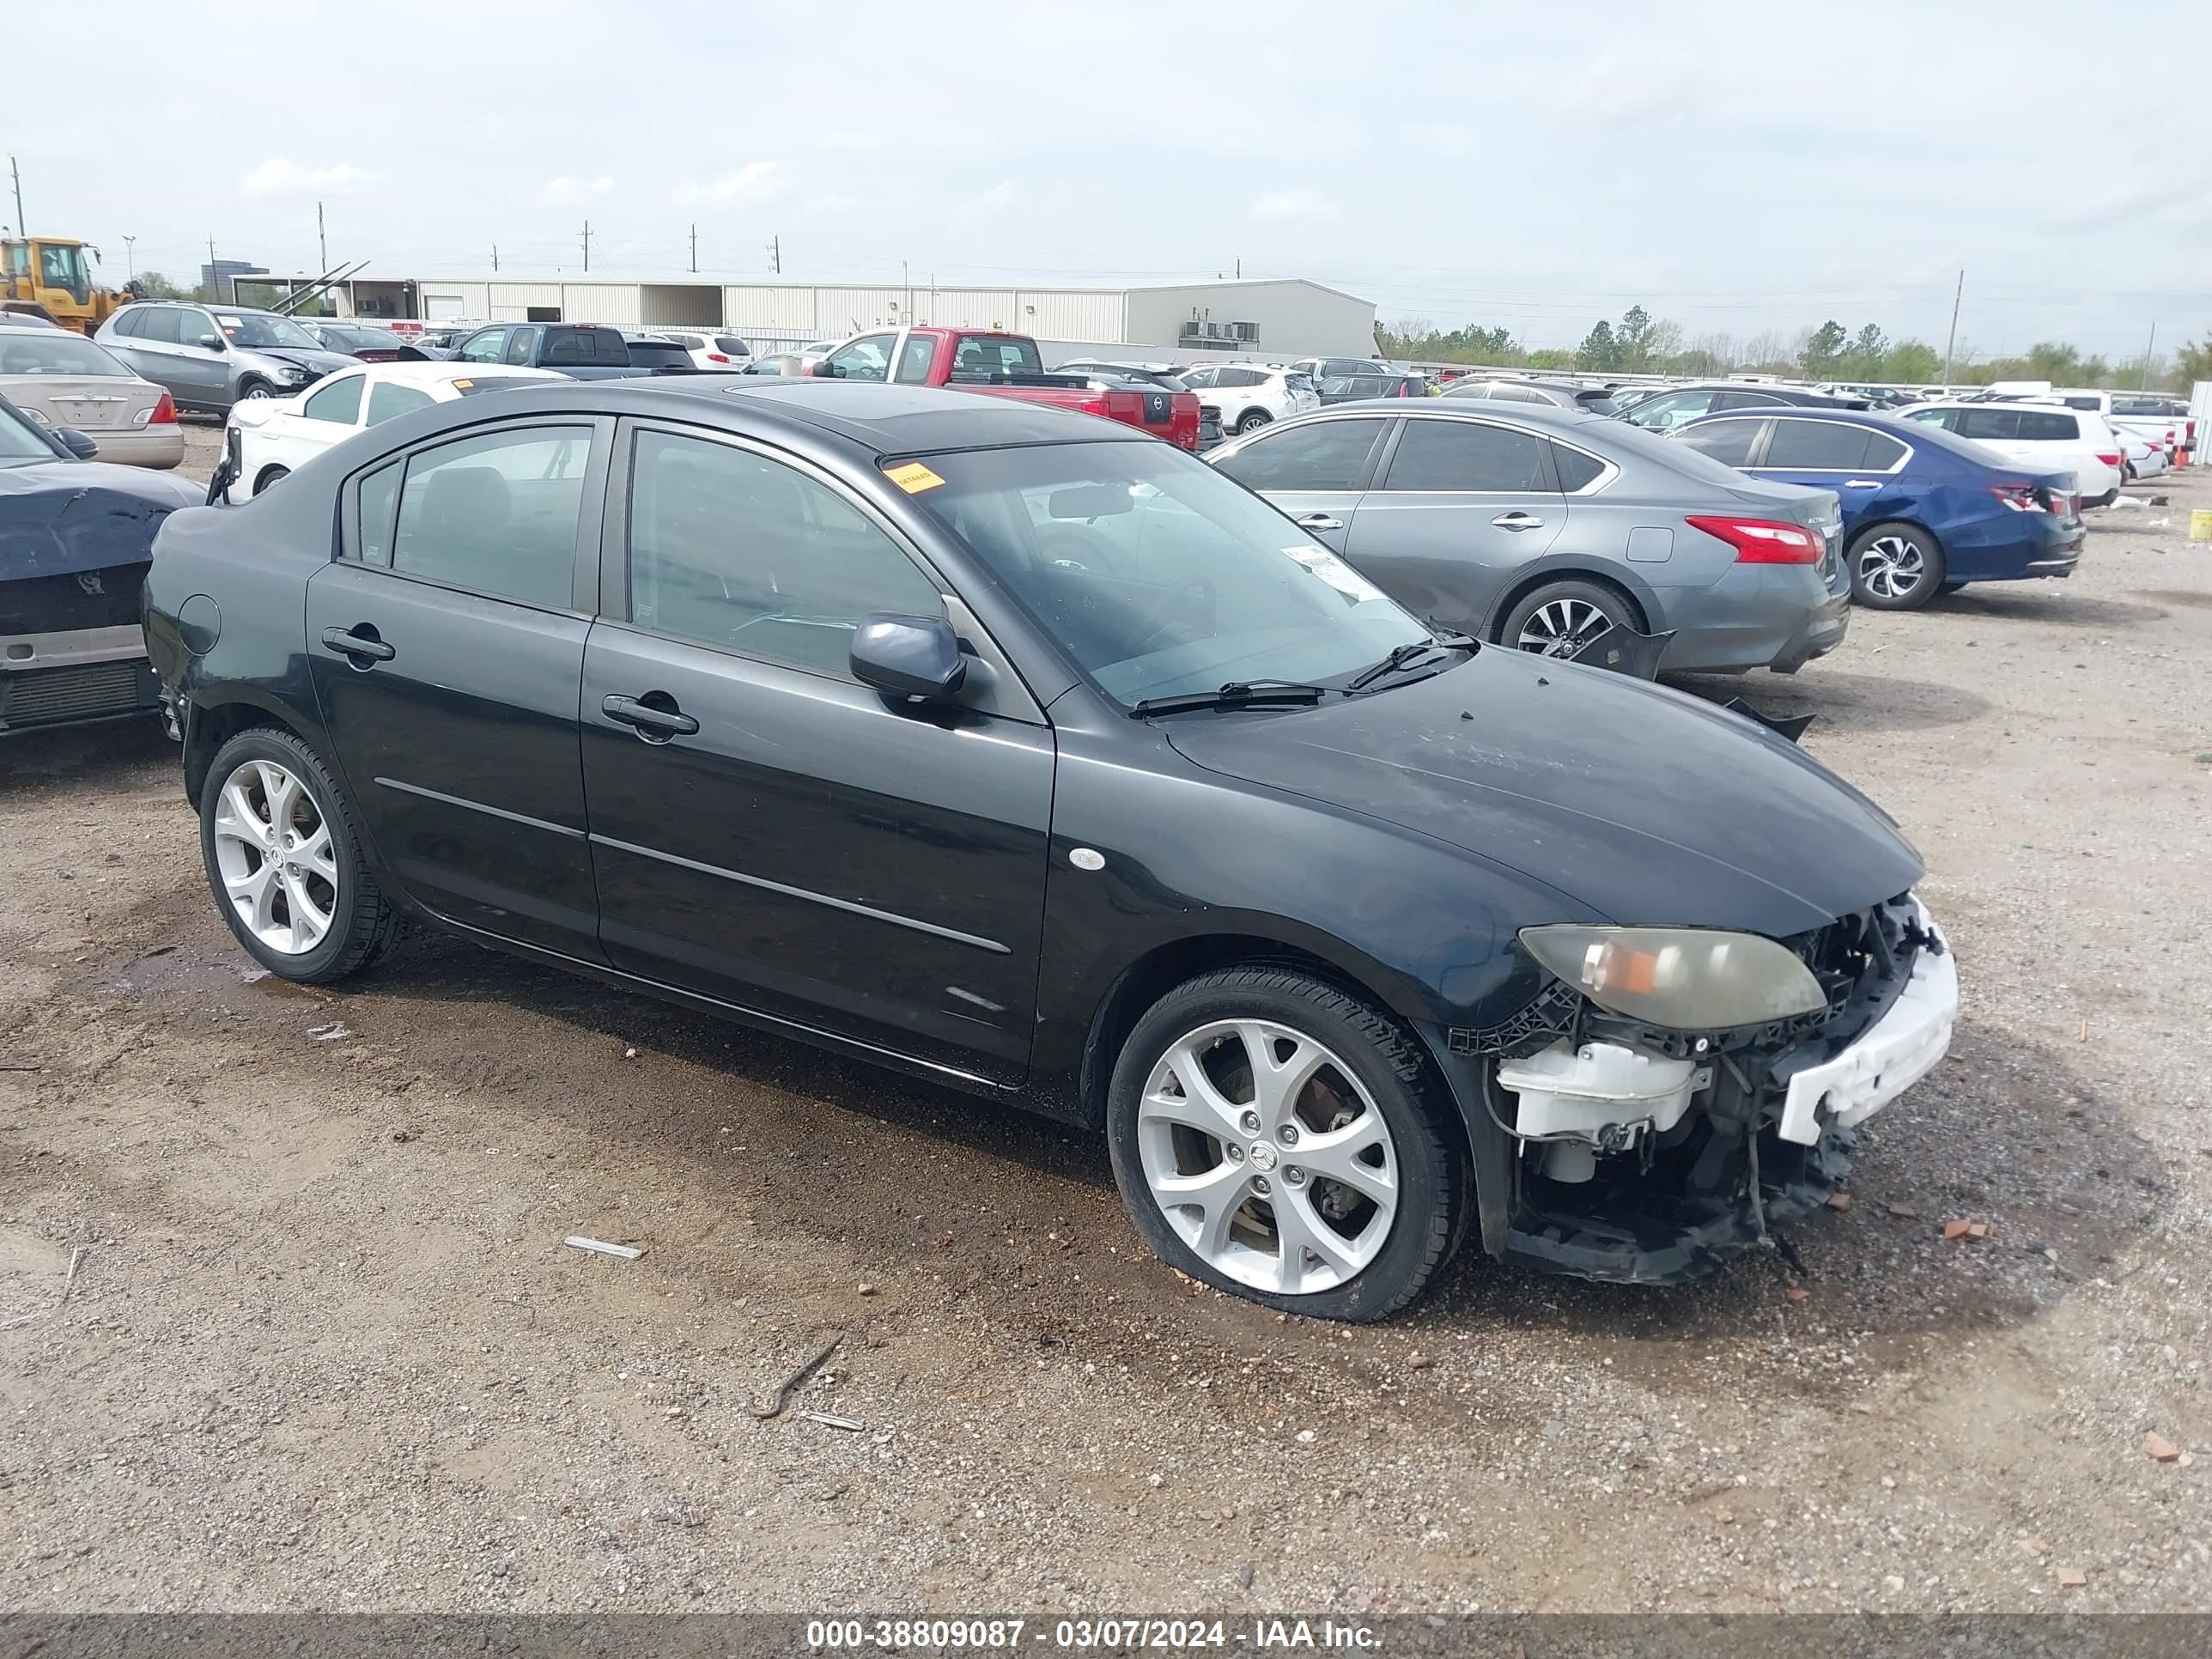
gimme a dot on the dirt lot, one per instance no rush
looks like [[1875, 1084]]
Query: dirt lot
[[325, 1348]]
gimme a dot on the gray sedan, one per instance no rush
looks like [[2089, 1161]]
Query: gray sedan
[[1543, 528]]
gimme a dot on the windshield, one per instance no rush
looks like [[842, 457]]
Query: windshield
[[260, 328], [1157, 575], [20, 441], [363, 339], [54, 351], [61, 265]]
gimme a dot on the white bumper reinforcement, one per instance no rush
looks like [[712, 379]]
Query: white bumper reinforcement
[[1902, 1048]]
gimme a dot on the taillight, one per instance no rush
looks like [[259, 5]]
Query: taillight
[[164, 413], [716, 357], [2110, 461], [1762, 541], [2021, 498]]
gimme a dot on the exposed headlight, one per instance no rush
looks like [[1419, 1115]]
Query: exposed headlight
[[294, 372], [1685, 978]]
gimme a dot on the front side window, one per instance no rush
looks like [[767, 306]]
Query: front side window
[[1454, 454], [914, 358], [496, 514], [1325, 455], [378, 495], [337, 400], [484, 348], [388, 397], [1158, 576], [1728, 442], [867, 358], [520, 343], [1200, 379], [996, 355], [731, 549]]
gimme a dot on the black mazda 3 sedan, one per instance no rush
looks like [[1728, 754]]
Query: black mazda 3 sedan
[[1011, 748]]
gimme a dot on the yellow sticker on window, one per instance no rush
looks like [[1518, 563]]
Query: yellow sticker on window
[[913, 477]]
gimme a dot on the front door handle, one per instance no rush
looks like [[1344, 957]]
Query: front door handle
[[1320, 521], [1518, 520], [1861, 484], [360, 643], [653, 724]]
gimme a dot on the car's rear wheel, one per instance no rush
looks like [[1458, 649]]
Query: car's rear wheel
[[1557, 619], [1274, 1137], [1253, 421], [283, 860], [1895, 566], [271, 475]]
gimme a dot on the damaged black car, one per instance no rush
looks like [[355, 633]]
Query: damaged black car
[[1026, 754]]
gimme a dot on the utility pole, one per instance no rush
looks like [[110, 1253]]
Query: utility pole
[[694, 246], [906, 282], [23, 226], [588, 244], [1240, 267], [131, 260], [1949, 345], [495, 256], [2143, 383], [322, 241], [775, 254]]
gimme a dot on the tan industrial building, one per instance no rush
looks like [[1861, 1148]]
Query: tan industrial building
[[1249, 317]]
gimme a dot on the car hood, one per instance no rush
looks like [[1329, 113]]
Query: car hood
[[1649, 806], [64, 516], [321, 361]]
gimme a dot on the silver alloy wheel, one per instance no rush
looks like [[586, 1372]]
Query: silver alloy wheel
[[1891, 567], [1267, 1157], [257, 390], [1563, 626], [272, 848]]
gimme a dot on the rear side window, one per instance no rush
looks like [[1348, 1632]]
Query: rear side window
[[1447, 454], [1575, 469], [1238, 379], [388, 397], [1325, 455], [1517, 394], [998, 355], [735, 551], [1883, 453], [339, 401], [1983, 423], [1747, 400], [584, 347], [1818, 446], [1728, 442], [165, 324], [2049, 426], [496, 514]]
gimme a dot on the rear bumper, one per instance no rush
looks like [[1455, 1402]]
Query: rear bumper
[[160, 447], [1755, 617]]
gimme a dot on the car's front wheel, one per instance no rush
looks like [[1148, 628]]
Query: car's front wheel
[[255, 389], [1253, 421], [1895, 566], [1275, 1137], [283, 860]]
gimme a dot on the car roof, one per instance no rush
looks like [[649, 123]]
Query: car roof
[[1468, 409], [442, 369], [888, 420], [1880, 419]]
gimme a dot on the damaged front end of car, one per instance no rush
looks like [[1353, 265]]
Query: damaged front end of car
[[1667, 1094]]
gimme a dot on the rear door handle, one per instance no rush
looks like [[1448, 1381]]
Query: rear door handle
[[1320, 521], [360, 643], [654, 725], [1518, 520], [1861, 484]]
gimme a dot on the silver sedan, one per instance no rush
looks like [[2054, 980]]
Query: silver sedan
[[62, 380], [1544, 528]]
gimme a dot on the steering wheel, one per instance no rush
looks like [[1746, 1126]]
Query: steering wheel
[[1156, 620]]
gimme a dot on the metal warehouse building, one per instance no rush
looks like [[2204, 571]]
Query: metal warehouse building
[[1253, 316]]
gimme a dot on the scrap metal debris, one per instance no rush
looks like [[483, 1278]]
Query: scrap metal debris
[[829, 1422], [336, 1031], [771, 1405], [69, 1283], [600, 1247]]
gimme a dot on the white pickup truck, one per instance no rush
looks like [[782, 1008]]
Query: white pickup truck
[[2161, 422]]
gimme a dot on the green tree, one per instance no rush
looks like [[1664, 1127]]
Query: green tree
[[1819, 355], [152, 285], [1598, 349], [1911, 360], [1551, 357], [2193, 363], [2052, 360], [1864, 357]]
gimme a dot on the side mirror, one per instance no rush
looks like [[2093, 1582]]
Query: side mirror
[[908, 656], [209, 341], [75, 442]]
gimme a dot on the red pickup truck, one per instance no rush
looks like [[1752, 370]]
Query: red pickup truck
[[1008, 366]]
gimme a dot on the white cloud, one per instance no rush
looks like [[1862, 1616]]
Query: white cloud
[[1292, 206], [280, 175], [565, 192], [755, 183], [1001, 197]]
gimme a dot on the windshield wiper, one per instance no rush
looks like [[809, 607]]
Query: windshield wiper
[[1237, 694], [1404, 656]]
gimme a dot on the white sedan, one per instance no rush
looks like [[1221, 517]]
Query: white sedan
[[277, 435]]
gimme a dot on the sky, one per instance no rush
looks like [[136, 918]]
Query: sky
[[1738, 168]]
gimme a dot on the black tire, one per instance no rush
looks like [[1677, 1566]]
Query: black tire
[[1433, 1187], [2105, 500], [255, 389], [1566, 603], [1253, 421], [362, 922], [271, 475], [1883, 555], [1951, 587]]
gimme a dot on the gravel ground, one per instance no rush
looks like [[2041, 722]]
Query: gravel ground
[[324, 1347]]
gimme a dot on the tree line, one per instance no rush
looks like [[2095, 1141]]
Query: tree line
[[1640, 344]]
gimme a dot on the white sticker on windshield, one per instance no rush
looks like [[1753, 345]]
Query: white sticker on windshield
[[1337, 573], [230, 323]]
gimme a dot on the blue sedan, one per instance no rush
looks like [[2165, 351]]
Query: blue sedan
[[1925, 512]]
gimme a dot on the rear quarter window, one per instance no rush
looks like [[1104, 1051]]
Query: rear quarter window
[[2048, 426]]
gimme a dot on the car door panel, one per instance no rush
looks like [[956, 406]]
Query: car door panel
[[1316, 473], [458, 735]]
